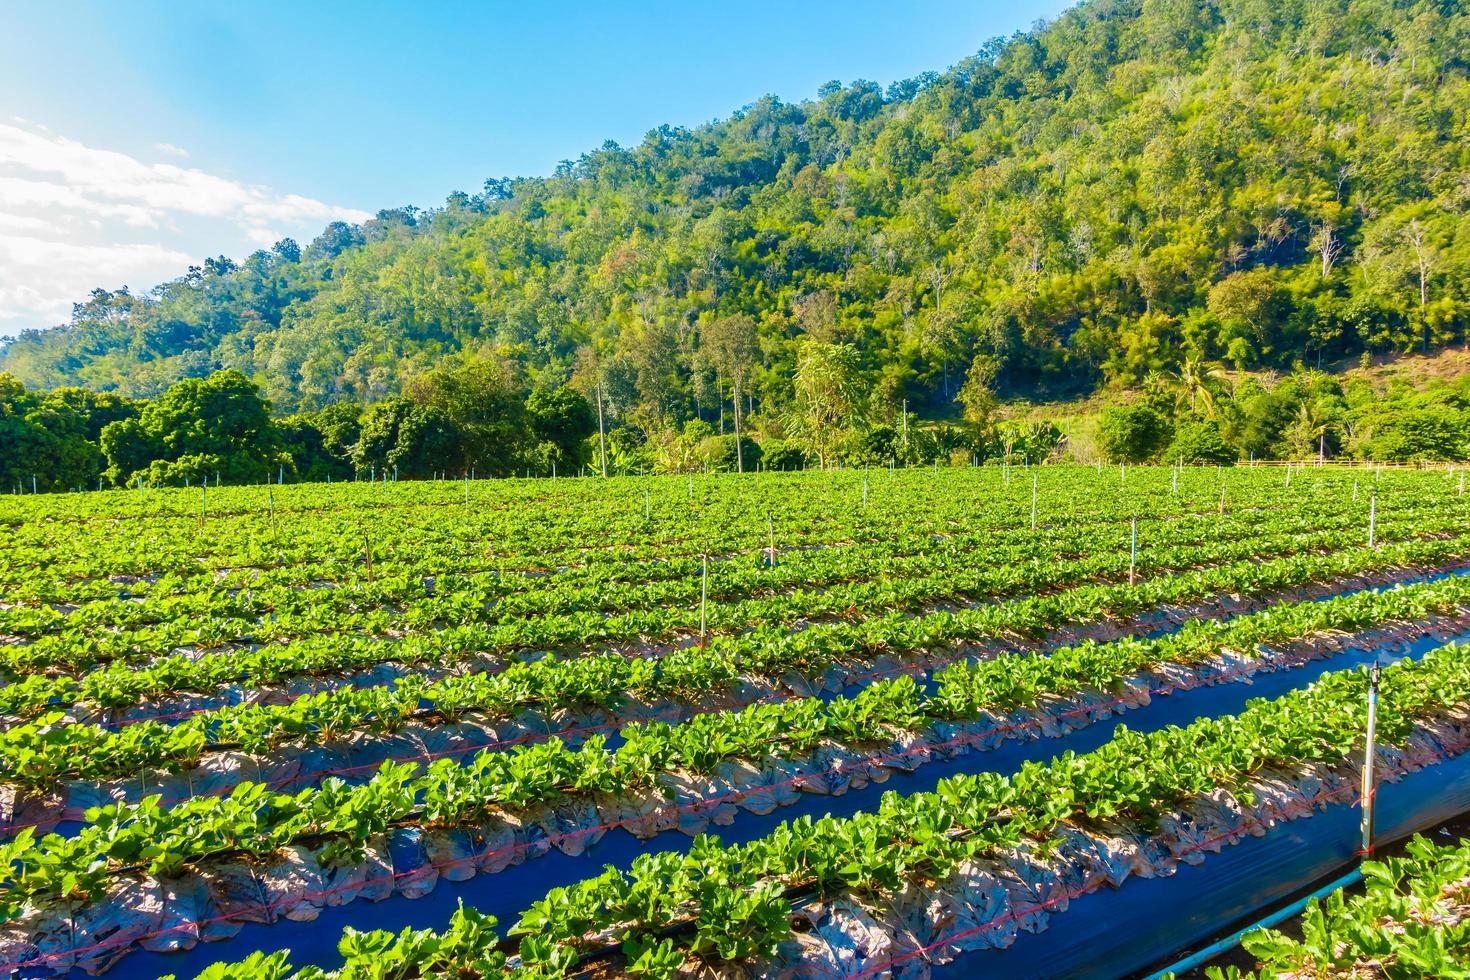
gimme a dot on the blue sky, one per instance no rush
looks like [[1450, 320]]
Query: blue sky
[[136, 137]]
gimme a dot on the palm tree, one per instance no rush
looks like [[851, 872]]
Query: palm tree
[[1307, 432], [1195, 380]]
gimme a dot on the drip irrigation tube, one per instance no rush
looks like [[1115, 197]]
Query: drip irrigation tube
[[1231, 941]]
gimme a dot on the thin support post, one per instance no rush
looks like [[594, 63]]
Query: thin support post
[[1033, 501], [1133, 554], [1369, 789], [203, 503], [647, 506], [703, 596], [771, 538], [1372, 518]]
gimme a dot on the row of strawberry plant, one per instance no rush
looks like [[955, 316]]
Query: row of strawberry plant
[[722, 903], [41, 751], [324, 537], [649, 584], [575, 521], [610, 529], [79, 649], [345, 818]]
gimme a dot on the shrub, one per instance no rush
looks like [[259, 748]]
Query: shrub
[[1200, 444], [1134, 434]]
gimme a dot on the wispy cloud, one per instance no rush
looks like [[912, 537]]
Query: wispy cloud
[[74, 216], [171, 150]]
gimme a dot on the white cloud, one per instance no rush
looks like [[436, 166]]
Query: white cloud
[[73, 217], [41, 278], [171, 150]]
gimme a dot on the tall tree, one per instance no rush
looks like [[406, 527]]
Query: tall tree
[[735, 345], [829, 395]]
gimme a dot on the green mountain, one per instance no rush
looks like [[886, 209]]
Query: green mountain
[[1262, 182]]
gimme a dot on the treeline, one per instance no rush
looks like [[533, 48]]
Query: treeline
[[475, 417], [1259, 183], [1198, 416], [470, 418]]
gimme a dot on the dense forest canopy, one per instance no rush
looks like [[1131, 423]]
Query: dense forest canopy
[[1255, 183]]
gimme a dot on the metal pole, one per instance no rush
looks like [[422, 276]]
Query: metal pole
[[703, 595], [1372, 517], [1133, 555], [771, 535], [1369, 788], [1033, 501], [647, 507]]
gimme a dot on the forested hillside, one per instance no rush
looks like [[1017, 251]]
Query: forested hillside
[[1255, 182]]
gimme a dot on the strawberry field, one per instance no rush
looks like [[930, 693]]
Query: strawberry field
[[812, 724]]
